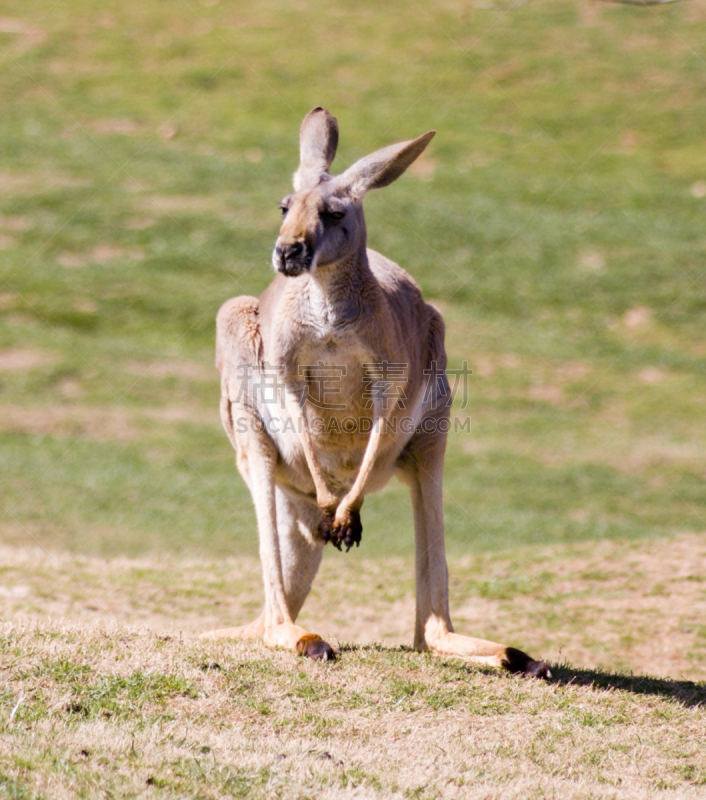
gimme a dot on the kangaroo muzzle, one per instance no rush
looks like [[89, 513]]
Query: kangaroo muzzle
[[292, 259]]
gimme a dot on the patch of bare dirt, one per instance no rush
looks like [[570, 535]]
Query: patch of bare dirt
[[28, 183], [186, 370], [592, 261], [698, 190], [28, 35], [570, 371], [101, 254], [483, 366], [176, 204], [86, 305], [21, 359], [197, 415], [648, 453], [110, 252], [71, 389], [554, 395], [558, 373], [97, 423], [71, 260], [71, 421], [637, 318], [651, 376], [106, 252], [694, 12], [589, 13], [424, 167], [15, 223], [122, 126], [167, 131]]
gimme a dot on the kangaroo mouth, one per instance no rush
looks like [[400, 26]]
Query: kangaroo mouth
[[292, 269]]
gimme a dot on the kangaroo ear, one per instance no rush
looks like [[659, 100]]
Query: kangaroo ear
[[384, 166], [318, 140]]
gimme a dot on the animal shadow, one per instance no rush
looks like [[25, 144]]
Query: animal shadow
[[689, 694]]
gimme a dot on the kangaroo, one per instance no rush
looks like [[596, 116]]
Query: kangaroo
[[313, 425]]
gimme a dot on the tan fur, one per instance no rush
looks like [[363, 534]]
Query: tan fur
[[336, 304]]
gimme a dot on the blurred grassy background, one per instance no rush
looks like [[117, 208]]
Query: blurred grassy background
[[557, 221]]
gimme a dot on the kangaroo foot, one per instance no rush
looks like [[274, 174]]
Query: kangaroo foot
[[483, 652], [313, 646], [517, 661]]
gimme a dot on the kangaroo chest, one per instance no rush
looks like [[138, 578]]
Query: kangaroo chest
[[332, 361], [330, 378], [336, 382]]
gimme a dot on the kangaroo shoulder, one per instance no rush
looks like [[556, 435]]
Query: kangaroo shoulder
[[238, 337]]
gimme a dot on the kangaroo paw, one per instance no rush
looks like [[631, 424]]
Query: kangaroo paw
[[348, 533]]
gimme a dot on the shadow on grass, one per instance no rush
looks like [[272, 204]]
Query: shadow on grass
[[688, 693]]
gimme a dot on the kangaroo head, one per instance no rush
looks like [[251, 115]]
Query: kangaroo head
[[323, 221]]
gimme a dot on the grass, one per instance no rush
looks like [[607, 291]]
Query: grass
[[557, 222], [140, 714], [634, 606]]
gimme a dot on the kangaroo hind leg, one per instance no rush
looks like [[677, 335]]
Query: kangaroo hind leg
[[300, 556], [433, 628]]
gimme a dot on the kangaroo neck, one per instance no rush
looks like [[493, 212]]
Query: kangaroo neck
[[338, 292]]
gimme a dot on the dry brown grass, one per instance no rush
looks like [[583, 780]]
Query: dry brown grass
[[70, 421], [185, 370], [97, 423], [18, 359], [106, 691], [628, 606], [25, 183], [108, 710]]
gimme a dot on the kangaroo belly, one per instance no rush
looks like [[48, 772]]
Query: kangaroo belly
[[340, 391], [338, 438]]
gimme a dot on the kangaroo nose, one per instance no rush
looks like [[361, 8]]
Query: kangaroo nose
[[291, 251], [291, 259]]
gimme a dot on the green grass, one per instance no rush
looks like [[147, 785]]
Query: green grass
[[139, 715], [557, 224]]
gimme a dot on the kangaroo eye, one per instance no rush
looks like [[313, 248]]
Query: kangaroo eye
[[284, 209], [332, 216]]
